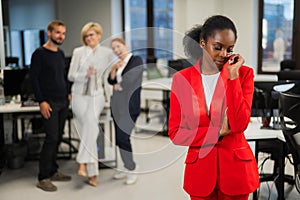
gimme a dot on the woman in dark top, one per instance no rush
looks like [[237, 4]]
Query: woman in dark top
[[126, 78]]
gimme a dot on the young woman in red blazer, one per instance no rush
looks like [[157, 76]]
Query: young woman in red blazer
[[210, 109]]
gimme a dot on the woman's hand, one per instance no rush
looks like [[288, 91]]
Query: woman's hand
[[91, 71], [225, 130], [117, 87], [235, 62], [117, 65], [114, 69]]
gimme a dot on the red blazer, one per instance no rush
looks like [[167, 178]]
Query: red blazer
[[230, 162]]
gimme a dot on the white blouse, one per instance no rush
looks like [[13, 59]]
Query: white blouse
[[209, 83], [121, 69]]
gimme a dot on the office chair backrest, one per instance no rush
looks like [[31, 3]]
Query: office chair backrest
[[288, 75], [289, 105], [289, 108], [287, 65]]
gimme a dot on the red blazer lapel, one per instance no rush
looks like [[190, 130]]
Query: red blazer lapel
[[218, 104]]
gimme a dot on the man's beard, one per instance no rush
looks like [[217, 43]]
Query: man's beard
[[55, 42]]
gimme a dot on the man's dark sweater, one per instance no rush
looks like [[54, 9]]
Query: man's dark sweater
[[48, 74]]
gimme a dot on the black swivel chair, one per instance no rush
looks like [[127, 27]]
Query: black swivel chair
[[288, 75], [288, 64], [288, 71], [289, 105]]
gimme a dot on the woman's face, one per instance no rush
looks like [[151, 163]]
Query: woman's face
[[92, 38], [219, 47], [119, 49]]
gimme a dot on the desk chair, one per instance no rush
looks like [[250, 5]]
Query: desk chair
[[289, 105], [288, 75], [288, 71], [287, 64], [35, 138]]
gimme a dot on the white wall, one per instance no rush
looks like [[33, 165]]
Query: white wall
[[76, 13], [180, 26], [116, 17], [35, 14], [30, 14]]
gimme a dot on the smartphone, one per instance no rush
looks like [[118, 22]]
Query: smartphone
[[235, 60]]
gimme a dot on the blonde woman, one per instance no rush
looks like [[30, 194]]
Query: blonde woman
[[88, 64]]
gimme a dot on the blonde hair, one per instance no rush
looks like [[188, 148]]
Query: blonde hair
[[90, 26]]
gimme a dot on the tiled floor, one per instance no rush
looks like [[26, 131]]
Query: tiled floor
[[160, 176]]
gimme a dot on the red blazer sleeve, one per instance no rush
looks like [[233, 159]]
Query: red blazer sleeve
[[239, 94]]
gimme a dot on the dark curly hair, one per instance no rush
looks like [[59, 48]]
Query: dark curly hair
[[211, 25]]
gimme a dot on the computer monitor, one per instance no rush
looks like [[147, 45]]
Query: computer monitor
[[177, 65], [16, 82]]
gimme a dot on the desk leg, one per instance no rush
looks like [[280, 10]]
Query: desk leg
[[147, 110], [280, 181], [166, 105], [2, 139], [1, 131]]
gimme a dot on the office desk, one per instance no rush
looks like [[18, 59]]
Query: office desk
[[110, 157], [22, 113], [13, 109], [254, 134], [162, 85], [16, 108]]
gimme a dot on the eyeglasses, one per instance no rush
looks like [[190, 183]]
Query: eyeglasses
[[89, 35]]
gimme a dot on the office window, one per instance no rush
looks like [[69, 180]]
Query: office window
[[32, 39], [140, 14], [135, 12], [277, 34], [163, 18]]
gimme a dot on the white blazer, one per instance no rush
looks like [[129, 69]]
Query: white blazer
[[82, 58]]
